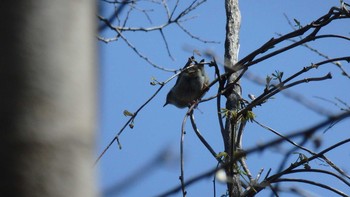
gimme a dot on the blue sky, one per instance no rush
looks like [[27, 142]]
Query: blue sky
[[124, 85]]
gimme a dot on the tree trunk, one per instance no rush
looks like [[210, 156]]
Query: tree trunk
[[47, 102], [233, 95]]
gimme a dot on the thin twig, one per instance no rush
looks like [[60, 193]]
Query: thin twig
[[116, 137], [323, 172], [182, 163], [115, 15], [166, 44], [174, 9], [218, 100], [165, 5], [246, 169], [141, 55], [126, 124], [323, 55], [187, 10], [284, 137], [299, 98], [202, 139], [195, 37], [312, 183], [282, 86]]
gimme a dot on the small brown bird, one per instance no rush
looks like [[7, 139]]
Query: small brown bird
[[189, 85]]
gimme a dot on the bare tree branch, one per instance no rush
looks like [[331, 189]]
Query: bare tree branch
[[169, 20], [237, 108], [307, 132]]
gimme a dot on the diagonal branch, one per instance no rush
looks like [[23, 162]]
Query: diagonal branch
[[133, 116], [202, 139], [312, 183]]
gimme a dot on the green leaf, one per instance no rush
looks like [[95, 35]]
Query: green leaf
[[224, 112], [127, 113], [250, 116], [154, 81], [221, 154], [268, 82]]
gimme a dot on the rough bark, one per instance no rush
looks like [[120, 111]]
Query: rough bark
[[47, 102], [233, 95]]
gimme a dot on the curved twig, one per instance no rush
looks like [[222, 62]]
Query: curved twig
[[312, 183], [202, 139], [321, 171]]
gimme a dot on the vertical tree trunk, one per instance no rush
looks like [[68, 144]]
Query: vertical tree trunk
[[231, 127], [47, 101]]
